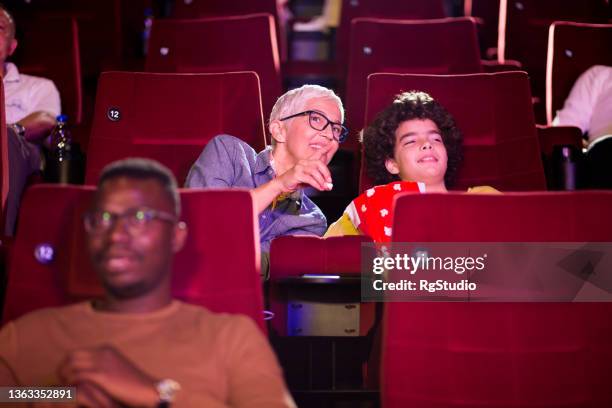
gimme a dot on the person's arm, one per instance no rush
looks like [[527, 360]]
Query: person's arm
[[6, 375], [37, 125], [578, 106], [255, 377], [308, 172], [44, 106], [8, 354], [106, 375]]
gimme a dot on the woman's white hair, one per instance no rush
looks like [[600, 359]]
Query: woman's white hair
[[293, 101]]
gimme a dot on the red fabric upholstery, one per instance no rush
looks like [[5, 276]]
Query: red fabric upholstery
[[414, 10], [239, 43], [551, 136], [446, 46], [208, 8], [220, 266], [99, 27], [494, 113], [171, 117], [498, 354], [572, 49], [208, 271], [51, 50], [299, 255], [524, 31], [48, 216]]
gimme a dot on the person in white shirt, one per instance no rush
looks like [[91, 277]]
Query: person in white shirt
[[589, 104], [31, 106], [589, 107]]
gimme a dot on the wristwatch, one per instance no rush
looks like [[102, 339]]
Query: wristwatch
[[19, 129], [166, 389]]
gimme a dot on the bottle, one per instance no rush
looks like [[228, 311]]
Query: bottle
[[146, 31], [565, 167], [61, 151]]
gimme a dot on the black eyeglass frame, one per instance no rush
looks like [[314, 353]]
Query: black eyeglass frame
[[343, 134]]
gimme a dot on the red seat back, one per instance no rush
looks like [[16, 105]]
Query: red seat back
[[206, 271], [445, 46], [493, 111], [100, 27], [572, 49], [294, 256], [49, 48], [171, 117], [523, 31], [407, 10], [498, 354], [238, 43]]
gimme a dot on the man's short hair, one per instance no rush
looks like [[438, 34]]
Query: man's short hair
[[293, 101], [144, 169], [379, 137], [10, 18]]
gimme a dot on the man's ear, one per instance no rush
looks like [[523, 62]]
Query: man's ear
[[391, 166], [12, 47], [278, 131], [180, 236]]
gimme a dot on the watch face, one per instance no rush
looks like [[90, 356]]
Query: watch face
[[19, 129], [167, 389]]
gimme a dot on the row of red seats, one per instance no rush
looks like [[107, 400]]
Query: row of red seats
[[376, 46], [433, 354], [165, 117]]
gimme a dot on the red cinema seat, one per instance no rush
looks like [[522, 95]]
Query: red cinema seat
[[219, 44], [406, 10], [215, 8], [444, 46], [46, 250], [207, 271], [171, 117], [523, 32], [99, 27], [572, 49], [49, 48], [218, 8], [494, 113], [295, 256], [461, 354]]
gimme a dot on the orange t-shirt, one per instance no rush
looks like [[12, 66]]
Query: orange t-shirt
[[219, 360]]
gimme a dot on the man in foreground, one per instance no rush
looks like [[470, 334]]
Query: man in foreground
[[137, 346]]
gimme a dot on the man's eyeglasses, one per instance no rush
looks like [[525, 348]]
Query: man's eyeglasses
[[318, 121], [136, 220]]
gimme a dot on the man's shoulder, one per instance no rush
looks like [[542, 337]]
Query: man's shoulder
[[25, 80], [216, 321], [51, 315], [216, 318]]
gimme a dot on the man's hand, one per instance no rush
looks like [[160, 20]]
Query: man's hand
[[312, 171], [91, 396], [103, 372]]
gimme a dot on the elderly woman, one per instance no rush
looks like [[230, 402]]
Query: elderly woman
[[412, 145], [306, 128]]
